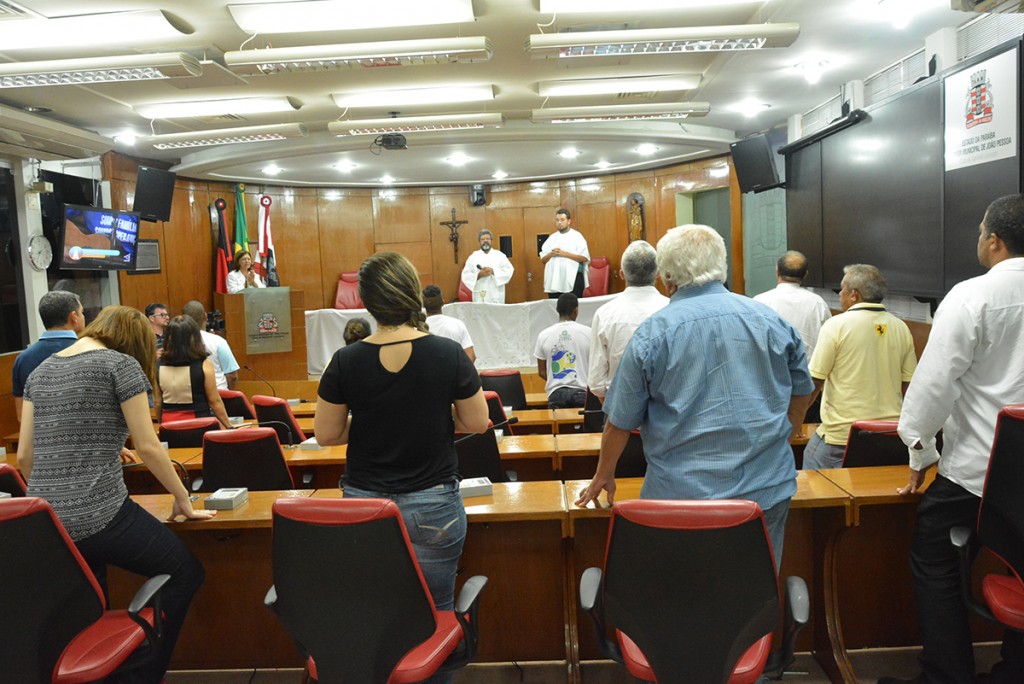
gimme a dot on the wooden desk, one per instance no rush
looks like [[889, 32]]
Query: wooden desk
[[306, 409], [306, 425], [533, 421], [11, 442], [536, 399], [567, 420]]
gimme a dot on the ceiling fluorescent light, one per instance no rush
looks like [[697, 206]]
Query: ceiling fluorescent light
[[99, 70], [680, 110], [661, 41], [345, 15], [591, 6], [196, 108], [352, 55], [414, 96], [413, 124], [225, 136], [143, 27], [611, 86]]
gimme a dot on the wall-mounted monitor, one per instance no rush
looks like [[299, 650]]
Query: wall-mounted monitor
[[98, 239], [154, 192]]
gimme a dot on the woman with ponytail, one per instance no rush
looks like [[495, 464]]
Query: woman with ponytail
[[408, 392]]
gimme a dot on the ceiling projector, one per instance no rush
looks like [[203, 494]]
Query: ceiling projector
[[393, 141]]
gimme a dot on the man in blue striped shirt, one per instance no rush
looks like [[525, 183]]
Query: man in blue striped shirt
[[716, 383]]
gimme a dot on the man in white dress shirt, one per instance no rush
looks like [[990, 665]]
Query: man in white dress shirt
[[801, 308], [225, 366], [614, 323], [445, 326], [487, 271], [972, 366], [566, 257]]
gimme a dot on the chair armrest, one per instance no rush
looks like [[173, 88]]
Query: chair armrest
[[590, 585], [270, 600], [797, 614], [197, 484], [149, 595], [307, 479], [964, 542], [469, 595], [798, 600], [590, 594], [465, 609]]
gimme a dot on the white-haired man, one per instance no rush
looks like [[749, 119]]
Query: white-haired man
[[715, 382], [614, 323], [487, 271]]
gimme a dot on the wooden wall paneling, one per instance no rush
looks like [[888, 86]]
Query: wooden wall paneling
[[518, 195], [446, 270], [401, 215], [419, 253], [567, 198], [536, 221], [187, 254], [8, 419], [597, 223], [645, 184], [294, 227], [509, 221], [345, 222], [739, 284]]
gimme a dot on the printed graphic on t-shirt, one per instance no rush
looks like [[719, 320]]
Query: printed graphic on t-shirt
[[563, 361]]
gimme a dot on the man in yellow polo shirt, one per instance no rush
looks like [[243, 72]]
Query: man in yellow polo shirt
[[864, 359]]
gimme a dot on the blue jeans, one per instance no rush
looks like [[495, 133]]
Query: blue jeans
[[137, 542], [435, 519], [775, 522], [819, 455]]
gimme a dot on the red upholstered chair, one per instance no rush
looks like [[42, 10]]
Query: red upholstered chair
[[250, 458], [496, 412], [237, 404], [465, 294], [11, 480], [187, 433], [276, 413], [689, 593], [1000, 526], [347, 296], [508, 383], [55, 628], [363, 616], [600, 272]]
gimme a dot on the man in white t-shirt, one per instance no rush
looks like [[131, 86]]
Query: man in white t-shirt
[[487, 271], [563, 355], [225, 367], [615, 322], [801, 308], [565, 256], [445, 326]]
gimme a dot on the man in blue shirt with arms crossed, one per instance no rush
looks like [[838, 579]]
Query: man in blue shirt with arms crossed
[[715, 382], [63, 319]]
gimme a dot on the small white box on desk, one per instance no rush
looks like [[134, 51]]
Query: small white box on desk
[[476, 486], [310, 444], [227, 498]]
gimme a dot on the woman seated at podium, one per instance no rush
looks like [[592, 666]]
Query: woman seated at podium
[[185, 376], [242, 274], [408, 392], [79, 407]]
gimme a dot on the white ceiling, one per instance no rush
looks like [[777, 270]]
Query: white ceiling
[[855, 37]]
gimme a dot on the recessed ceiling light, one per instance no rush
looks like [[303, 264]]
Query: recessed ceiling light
[[414, 96], [569, 153], [812, 69], [603, 164], [272, 169], [345, 165], [647, 149], [126, 137], [749, 108], [498, 175], [459, 159], [387, 180]]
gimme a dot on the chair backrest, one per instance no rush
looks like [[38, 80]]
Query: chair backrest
[[465, 294], [180, 434], [48, 592], [496, 411], [349, 589], [599, 277], [479, 456], [874, 443], [347, 296], [11, 480], [701, 571], [508, 383], [593, 416], [278, 414], [249, 458], [1001, 518], [237, 404], [632, 462]]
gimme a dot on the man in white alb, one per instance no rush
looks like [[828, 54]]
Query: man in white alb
[[487, 271], [801, 308], [614, 323], [566, 257], [445, 326]]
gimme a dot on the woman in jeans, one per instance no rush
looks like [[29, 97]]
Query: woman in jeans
[[79, 407], [408, 392]]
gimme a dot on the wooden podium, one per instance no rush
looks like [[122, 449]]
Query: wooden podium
[[276, 366]]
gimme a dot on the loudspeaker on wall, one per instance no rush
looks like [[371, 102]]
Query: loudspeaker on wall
[[478, 196]]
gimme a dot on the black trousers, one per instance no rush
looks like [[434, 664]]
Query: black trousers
[[577, 288], [948, 655]]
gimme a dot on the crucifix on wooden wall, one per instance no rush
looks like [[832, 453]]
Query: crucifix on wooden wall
[[453, 237]]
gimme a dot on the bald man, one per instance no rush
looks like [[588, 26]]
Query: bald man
[[801, 308]]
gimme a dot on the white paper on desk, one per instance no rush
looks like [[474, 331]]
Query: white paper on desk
[[310, 444]]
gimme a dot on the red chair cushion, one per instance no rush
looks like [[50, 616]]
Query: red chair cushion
[[1005, 597], [101, 648], [748, 668]]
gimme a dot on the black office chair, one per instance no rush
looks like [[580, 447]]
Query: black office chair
[[876, 443], [479, 457], [508, 383], [276, 413], [250, 458], [11, 480], [593, 414], [236, 404], [1000, 526], [180, 434], [348, 589], [632, 462], [690, 594], [55, 628]]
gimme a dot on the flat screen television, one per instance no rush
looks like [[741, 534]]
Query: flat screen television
[[98, 239]]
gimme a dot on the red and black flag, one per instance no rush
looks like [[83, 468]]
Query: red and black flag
[[221, 257]]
